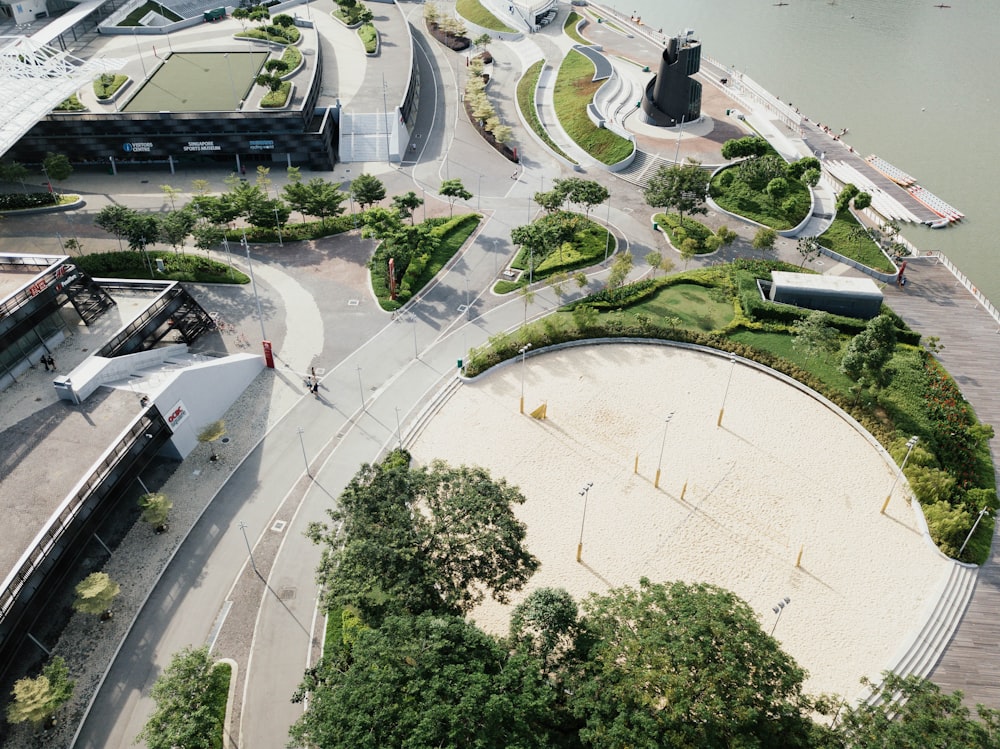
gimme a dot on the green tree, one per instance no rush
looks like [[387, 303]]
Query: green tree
[[862, 200], [367, 190], [406, 204], [175, 227], [808, 248], [546, 625], [95, 593], [56, 166], [155, 508], [14, 172], [764, 240], [114, 219], [748, 147], [583, 192], [551, 201], [323, 199], [36, 700], [207, 235], [815, 335], [654, 260], [685, 665], [869, 351], [681, 187], [427, 681], [453, 189], [913, 713], [621, 266], [846, 195], [688, 249], [187, 696], [171, 194], [210, 433], [434, 538]]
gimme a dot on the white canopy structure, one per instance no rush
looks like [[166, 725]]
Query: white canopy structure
[[34, 79]]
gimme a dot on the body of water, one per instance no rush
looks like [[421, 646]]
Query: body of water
[[915, 84]]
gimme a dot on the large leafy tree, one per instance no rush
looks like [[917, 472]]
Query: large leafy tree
[[367, 190], [913, 713], [583, 192], [687, 666], [114, 219], [870, 351], [681, 187], [815, 334], [426, 681], [186, 713], [95, 593], [406, 204], [748, 147], [175, 227], [435, 538]]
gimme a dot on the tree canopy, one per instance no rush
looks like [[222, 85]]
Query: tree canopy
[[426, 681], [453, 189], [681, 187], [870, 350], [367, 190], [435, 538], [36, 700]]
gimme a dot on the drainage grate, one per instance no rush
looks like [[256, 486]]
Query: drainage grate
[[353, 302], [287, 594], [279, 526]]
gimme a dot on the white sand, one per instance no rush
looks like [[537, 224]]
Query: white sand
[[784, 472]]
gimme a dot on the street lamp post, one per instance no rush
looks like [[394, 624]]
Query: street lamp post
[[725, 395], [243, 527], [479, 193], [656, 483], [910, 444], [302, 442], [253, 282], [585, 493], [607, 242], [229, 257], [523, 351], [362, 389], [399, 429], [779, 609], [974, 526], [277, 225]]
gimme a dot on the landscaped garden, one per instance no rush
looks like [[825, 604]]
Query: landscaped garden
[[574, 91], [569, 28], [526, 100], [133, 18], [875, 370], [474, 12], [177, 267]]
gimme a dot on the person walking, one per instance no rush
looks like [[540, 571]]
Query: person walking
[[51, 362], [45, 362]]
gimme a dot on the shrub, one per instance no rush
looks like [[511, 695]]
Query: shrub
[[277, 98], [107, 83], [20, 200]]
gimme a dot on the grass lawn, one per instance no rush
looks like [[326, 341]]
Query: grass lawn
[[292, 57], [454, 234], [189, 267], [105, 86], [132, 19], [526, 100], [589, 245], [277, 98], [695, 230], [474, 12], [574, 90], [780, 344], [569, 28], [783, 213], [842, 237], [695, 307], [369, 37]]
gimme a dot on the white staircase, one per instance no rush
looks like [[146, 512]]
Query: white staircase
[[364, 137]]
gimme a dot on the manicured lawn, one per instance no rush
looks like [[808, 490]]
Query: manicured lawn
[[277, 98], [693, 229], [574, 90], [526, 99], [188, 267], [292, 57], [780, 344], [842, 237], [694, 307], [473, 10], [132, 19], [781, 213], [369, 37], [105, 86], [569, 28]]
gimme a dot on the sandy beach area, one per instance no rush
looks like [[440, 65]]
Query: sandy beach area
[[784, 474]]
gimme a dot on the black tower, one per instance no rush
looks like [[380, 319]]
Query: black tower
[[672, 96]]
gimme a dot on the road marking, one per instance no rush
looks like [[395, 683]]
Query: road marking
[[217, 627]]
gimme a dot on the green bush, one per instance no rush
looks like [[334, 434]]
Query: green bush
[[369, 37], [129, 264], [691, 228], [277, 98], [294, 232], [18, 201], [106, 84], [742, 189], [292, 57], [72, 104]]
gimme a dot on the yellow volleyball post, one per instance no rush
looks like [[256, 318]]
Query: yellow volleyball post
[[718, 422], [684, 489], [798, 559], [579, 552], [540, 412], [635, 468], [885, 504], [656, 483], [522, 404]]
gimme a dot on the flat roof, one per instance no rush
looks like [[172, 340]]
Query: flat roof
[[45, 455], [815, 282], [12, 281]]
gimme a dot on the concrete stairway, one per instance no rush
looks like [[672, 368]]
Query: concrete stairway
[[363, 137]]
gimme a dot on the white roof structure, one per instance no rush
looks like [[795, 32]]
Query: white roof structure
[[34, 79]]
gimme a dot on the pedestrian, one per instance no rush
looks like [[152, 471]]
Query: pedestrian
[[45, 362], [51, 362]]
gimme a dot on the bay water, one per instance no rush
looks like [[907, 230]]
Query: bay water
[[913, 83]]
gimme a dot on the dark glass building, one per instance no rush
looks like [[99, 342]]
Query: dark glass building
[[673, 96]]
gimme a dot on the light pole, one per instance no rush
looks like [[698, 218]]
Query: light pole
[[479, 193], [523, 351], [253, 282], [229, 257], [585, 493], [277, 225], [725, 395], [974, 526], [607, 243], [399, 430], [385, 115], [362, 389], [656, 483], [243, 527], [910, 444], [302, 442], [779, 609]]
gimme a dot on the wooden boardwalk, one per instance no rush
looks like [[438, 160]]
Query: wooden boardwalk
[[936, 304]]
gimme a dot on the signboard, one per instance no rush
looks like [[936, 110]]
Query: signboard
[[202, 145], [268, 355], [262, 145], [137, 147], [176, 416]]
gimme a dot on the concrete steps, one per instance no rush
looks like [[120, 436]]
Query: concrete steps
[[363, 137]]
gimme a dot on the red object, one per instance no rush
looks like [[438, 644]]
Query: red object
[[268, 356], [515, 153], [392, 278]]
